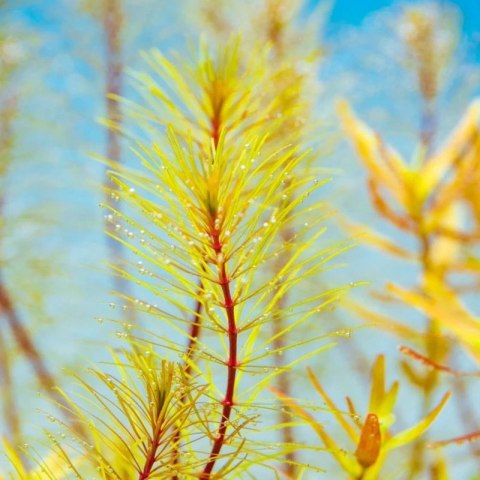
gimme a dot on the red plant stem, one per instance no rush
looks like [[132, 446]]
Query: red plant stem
[[152, 455], [228, 400], [195, 327], [216, 130], [195, 324]]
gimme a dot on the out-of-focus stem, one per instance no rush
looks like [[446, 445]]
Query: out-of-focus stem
[[428, 87], [24, 341], [27, 346], [10, 411], [467, 415], [19, 331], [112, 17], [428, 125], [194, 333], [276, 34], [283, 379], [433, 352], [112, 24]]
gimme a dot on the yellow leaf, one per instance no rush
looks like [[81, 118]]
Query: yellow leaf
[[382, 321], [15, 460], [352, 433], [378, 384], [382, 162], [374, 239], [443, 305], [411, 434], [348, 464], [457, 145], [462, 182], [445, 249]]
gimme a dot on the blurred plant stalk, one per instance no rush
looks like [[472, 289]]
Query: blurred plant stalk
[[110, 13], [10, 61], [422, 198]]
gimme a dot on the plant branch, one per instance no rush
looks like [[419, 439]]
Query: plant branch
[[232, 365], [195, 323], [151, 455]]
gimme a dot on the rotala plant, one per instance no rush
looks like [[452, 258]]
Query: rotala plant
[[223, 308], [419, 199], [202, 215], [221, 198], [292, 66], [370, 434], [131, 431], [427, 198]]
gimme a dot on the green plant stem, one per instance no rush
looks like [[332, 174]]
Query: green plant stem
[[228, 401]]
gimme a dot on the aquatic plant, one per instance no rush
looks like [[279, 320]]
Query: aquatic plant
[[216, 215]]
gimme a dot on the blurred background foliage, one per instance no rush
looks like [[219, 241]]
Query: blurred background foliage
[[409, 72]]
